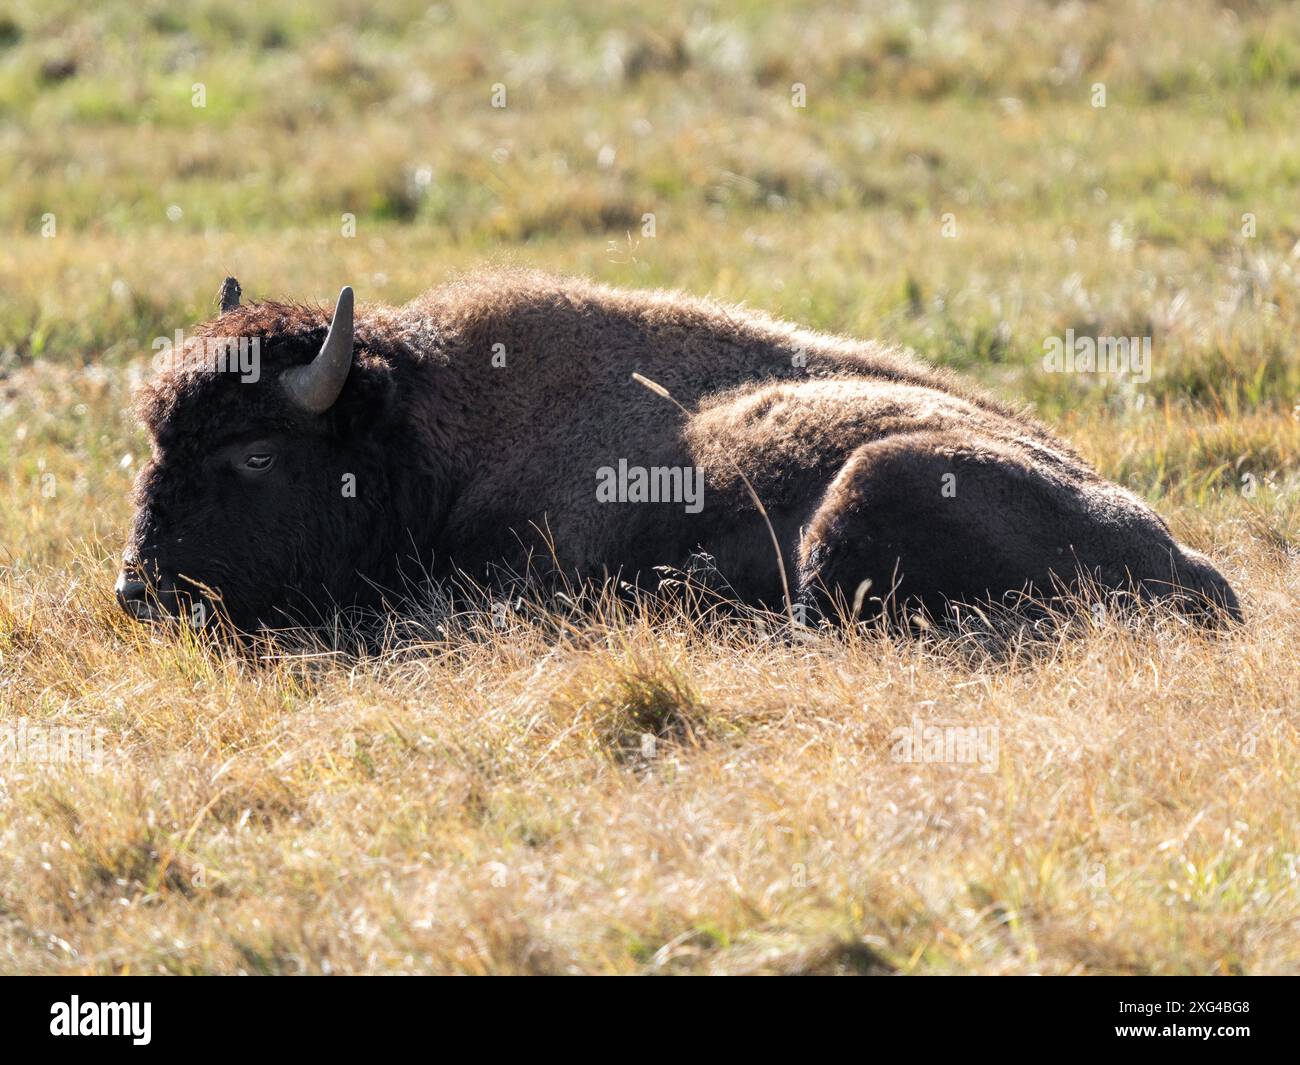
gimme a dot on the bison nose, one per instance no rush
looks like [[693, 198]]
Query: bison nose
[[133, 597]]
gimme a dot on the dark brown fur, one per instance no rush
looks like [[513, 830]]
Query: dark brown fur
[[462, 464]]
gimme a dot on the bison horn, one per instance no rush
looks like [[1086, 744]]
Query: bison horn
[[317, 385], [230, 293]]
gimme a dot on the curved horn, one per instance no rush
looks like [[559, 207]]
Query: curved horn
[[317, 385]]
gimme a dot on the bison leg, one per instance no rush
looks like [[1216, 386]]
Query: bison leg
[[936, 518]]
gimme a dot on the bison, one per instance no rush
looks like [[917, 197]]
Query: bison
[[493, 427]]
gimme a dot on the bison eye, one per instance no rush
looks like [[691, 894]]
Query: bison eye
[[257, 462]]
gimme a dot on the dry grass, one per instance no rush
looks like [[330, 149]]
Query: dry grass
[[492, 801], [625, 792]]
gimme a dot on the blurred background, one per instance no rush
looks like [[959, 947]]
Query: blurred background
[[966, 179]]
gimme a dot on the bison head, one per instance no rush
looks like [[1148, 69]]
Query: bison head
[[259, 501]]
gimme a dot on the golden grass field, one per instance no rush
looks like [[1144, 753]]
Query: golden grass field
[[620, 791]]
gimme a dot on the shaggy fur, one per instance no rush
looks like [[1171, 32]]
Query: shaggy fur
[[872, 467]]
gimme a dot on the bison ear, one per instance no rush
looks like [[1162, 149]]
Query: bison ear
[[367, 398], [230, 293]]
